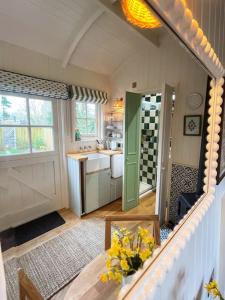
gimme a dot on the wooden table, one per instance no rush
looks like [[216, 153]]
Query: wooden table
[[87, 286]]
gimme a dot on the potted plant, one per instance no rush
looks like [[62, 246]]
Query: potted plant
[[127, 254]]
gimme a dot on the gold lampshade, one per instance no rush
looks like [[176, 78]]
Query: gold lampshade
[[118, 104], [138, 13]]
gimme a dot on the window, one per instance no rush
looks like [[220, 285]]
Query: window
[[26, 125], [86, 115]]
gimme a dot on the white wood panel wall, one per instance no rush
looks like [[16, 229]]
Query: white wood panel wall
[[193, 266], [169, 63], [220, 196], [21, 60], [210, 15], [2, 279], [28, 203]]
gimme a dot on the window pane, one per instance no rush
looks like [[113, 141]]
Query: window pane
[[14, 140], [91, 126], [91, 110], [42, 139], [40, 112], [80, 110], [81, 125], [13, 110]]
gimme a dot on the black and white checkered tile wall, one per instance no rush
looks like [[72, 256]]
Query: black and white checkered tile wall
[[149, 138]]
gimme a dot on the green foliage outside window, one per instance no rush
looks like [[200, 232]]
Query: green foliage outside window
[[86, 118], [16, 121]]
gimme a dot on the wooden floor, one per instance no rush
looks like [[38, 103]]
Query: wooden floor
[[146, 206]]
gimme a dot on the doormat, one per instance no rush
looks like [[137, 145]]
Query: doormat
[[21, 234]]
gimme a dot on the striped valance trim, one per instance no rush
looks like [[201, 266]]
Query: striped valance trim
[[83, 94], [24, 84]]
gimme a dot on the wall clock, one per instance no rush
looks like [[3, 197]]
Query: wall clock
[[194, 101]]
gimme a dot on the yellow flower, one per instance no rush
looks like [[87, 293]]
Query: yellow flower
[[104, 278], [111, 275], [143, 232], [114, 250], [215, 292], [115, 240], [116, 233], [123, 255], [125, 240], [124, 265], [212, 288], [129, 252], [214, 284], [123, 230], [126, 245], [148, 240], [108, 263], [211, 285], [118, 277], [145, 254]]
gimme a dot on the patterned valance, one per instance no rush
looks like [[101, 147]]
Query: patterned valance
[[83, 94], [24, 84]]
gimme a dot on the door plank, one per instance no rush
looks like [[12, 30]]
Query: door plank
[[19, 177]]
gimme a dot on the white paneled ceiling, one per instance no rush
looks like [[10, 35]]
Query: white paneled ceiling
[[50, 27], [107, 44]]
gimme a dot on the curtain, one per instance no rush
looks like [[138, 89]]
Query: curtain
[[83, 94], [24, 84]]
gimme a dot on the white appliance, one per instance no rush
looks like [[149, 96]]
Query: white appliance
[[113, 145], [117, 165]]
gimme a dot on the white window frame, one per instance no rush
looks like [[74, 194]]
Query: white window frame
[[54, 127], [99, 123]]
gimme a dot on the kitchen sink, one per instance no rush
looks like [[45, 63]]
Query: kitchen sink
[[96, 162]]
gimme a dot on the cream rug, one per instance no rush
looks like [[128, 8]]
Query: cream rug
[[55, 263]]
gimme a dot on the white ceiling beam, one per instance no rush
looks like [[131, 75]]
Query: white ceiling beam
[[80, 35]]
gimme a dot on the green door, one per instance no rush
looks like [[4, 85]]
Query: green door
[[131, 151]]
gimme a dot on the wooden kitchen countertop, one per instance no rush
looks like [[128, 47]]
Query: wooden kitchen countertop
[[79, 156], [82, 155], [110, 152]]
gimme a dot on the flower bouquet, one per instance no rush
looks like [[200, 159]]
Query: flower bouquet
[[127, 254]]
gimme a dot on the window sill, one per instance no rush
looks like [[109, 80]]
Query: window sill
[[28, 156], [88, 139]]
